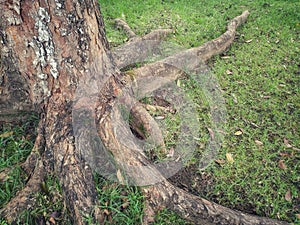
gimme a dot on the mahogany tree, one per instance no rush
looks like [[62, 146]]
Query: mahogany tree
[[55, 61]]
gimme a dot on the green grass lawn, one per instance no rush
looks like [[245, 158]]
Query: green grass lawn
[[260, 79]]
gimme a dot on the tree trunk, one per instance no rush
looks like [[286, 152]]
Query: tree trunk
[[55, 61]]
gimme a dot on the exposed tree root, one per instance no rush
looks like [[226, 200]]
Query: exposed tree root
[[164, 194], [74, 175], [29, 165], [144, 124], [35, 171], [25, 199], [139, 48], [123, 25], [199, 210], [170, 68], [191, 207]]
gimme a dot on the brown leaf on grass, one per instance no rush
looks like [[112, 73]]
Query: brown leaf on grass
[[52, 220], [234, 98], [259, 143], [99, 215], [6, 134], [225, 57], [286, 143], [249, 41], [288, 196], [125, 205], [171, 152], [282, 165], [220, 161], [238, 133], [285, 154], [159, 117], [266, 96], [106, 212], [229, 158], [229, 72], [211, 133], [298, 216]]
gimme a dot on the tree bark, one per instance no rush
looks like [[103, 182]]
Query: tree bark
[[54, 58], [46, 48]]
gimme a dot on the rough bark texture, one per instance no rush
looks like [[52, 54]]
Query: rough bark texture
[[47, 49]]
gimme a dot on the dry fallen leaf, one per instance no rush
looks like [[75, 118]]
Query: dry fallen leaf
[[238, 133], [234, 98], [288, 196], [125, 205], [285, 154], [266, 96], [259, 143], [229, 72], [226, 57], [106, 212], [287, 144], [220, 161], [171, 152], [281, 164], [211, 133], [229, 158], [52, 220], [249, 41], [6, 134], [159, 117], [298, 216]]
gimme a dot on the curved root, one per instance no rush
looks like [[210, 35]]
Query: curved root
[[25, 199]]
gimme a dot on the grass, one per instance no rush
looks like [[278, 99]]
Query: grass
[[259, 76], [15, 145], [121, 204]]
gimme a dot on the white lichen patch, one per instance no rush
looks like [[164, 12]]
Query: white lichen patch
[[14, 17], [42, 76], [58, 4], [43, 43]]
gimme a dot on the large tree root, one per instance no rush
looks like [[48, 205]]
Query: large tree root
[[25, 199], [164, 194], [199, 210], [35, 171], [138, 47]]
